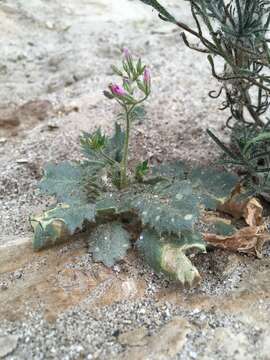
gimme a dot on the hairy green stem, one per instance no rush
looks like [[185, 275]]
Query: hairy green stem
[[124, 163]]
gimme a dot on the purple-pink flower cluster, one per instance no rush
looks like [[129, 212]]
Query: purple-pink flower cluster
[[117, 90], [133, 75]]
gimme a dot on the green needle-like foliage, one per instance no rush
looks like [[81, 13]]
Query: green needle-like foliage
[[236, 32]]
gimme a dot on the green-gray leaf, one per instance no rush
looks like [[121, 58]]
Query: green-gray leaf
[[175, 169], [59, 222], [68, 182], [167, 254], [169, 209], [213, 187], [109, 243]]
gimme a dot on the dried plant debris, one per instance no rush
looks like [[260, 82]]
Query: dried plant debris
[[248, 239]]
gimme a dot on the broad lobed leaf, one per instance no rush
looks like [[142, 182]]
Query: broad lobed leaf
[[70, 182], [212, 187], [167, 215]]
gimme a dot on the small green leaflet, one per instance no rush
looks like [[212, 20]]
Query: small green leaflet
[[111, 146], [109, 243]]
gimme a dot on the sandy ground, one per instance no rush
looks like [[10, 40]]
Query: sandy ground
[[57, 55]]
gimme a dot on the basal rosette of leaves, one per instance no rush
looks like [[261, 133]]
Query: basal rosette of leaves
[[155, 209]]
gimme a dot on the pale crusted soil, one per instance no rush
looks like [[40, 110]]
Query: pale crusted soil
[[61, 52]]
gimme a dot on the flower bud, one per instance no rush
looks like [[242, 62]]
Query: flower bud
[[146, 76], [126, 53], [147, 80], [117, 90]]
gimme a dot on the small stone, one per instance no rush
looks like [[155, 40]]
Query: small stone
[[22, 161], [165, 344], [52, 126], [3, 286], [8, 344], [18, 274], [136, 337], [49, 25]]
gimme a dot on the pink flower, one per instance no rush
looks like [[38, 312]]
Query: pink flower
[[117, 90], [147, 76]]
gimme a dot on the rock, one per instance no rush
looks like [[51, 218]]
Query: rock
[[137, 337], [265, 346], [8, 117], [229, 345], [119, 289], [164, 345], [23, 116], [36, 110], [49, 25], [7, 345], [58, 279]]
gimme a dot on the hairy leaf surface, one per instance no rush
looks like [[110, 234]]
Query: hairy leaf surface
[[212, 187], [175, 169], [112, 146], [170, 208], [109, 243], [69, 182]]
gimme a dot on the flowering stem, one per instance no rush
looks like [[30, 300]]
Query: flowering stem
[[124, 163]]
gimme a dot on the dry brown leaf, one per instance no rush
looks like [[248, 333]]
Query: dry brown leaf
[[252, 212], [235, 205], [249, 240], [240, 207], [212, 217]]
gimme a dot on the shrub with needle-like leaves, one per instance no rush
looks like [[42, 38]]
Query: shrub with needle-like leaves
[[237, 32]]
